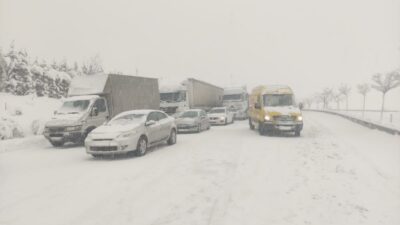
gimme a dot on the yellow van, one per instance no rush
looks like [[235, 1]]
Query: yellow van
[[273, 109]]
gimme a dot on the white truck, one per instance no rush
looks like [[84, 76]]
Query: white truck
[[94, 99], [191, 94], [237, 101]]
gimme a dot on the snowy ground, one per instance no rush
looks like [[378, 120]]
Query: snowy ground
[[390, 119], [337, 173]]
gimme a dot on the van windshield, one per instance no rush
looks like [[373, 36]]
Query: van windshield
[[278, 100], [74, 107]]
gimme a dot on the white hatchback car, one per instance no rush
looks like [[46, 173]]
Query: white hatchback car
[[132, 131], [220, 115]]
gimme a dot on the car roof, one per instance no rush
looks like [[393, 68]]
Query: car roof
[[138, 111]]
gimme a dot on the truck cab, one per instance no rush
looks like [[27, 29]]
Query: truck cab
[[173, 99], [76, 118], [236, 100], [273, 109]]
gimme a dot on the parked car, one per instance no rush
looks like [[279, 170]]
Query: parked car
[[132, 131], [193, 120], [220, 116]]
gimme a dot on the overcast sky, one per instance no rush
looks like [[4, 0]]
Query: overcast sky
[[308, 44]]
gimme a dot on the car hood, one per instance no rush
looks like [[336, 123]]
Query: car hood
[[116, 128], [283, 110], [216, 114], [186, 120], [65, 120]]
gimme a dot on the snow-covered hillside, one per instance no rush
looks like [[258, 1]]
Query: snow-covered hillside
[[27, 112], [336, 173]]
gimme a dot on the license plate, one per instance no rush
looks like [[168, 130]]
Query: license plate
[[285, 127]]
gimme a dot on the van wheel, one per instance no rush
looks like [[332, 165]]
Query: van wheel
[[251, 125], [57, 143], [141, 146], [172, 137], [297, 133], [261, 129]]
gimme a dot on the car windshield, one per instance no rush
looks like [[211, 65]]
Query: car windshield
[[232, 97], [278, 100], [74, 107], [217, 111], [127, 119], [189, 114], [173, 96]]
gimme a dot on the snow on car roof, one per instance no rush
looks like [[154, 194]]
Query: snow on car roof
[[138, 111]]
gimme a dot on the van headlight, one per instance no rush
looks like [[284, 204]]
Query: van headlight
[[299, 118], [267, 118]]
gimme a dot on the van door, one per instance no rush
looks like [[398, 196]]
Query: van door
[[98, 118]]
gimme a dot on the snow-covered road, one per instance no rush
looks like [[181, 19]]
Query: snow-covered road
[[336, 173]]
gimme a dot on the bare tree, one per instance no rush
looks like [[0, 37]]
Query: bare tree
[[385, 83], [344, 89], [363, 89], [93, 66], [326, 97], [337, 97]]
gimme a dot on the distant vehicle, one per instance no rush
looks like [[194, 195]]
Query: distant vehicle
[[192, 94], [273, 108], [193, 120], [132, 131], [236, 100], [220, 116], [94, 99]]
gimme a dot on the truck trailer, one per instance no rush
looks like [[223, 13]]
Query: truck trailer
[[94, 99], [190, 94]]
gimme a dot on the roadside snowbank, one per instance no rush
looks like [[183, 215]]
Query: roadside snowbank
[[24, 115]]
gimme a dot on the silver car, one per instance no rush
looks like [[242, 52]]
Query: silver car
[[132, 131], [193, 120]]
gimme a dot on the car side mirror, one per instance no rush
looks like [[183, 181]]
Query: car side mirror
[[150, 123], [257, 105], [95, 111]]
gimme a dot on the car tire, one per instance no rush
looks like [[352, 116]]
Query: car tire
[[57, 143], [141, 147], [226, 121], [198, 128], [297, 133], [172, 137], [251, 125]]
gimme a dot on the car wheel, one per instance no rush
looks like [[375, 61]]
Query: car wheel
[[198, 128], [172, 137], [251, 125], [297, 133], [57, 143], [141, 146], [226, 121]]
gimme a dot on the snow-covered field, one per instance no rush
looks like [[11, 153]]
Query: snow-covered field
[[337, 172]]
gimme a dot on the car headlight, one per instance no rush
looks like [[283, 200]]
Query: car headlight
[[267, 118], [299, 118], [74, 128], [127, 134]]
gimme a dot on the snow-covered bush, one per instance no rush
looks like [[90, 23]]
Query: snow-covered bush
[[9, 129]]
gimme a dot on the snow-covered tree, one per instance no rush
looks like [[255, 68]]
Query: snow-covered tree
[[363, 89], [385, 83], [325, 97], [345, 90], [94, 66], [3, 71]]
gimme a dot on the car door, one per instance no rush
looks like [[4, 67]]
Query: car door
[[204, 119], [153, 131], [164, 125]]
